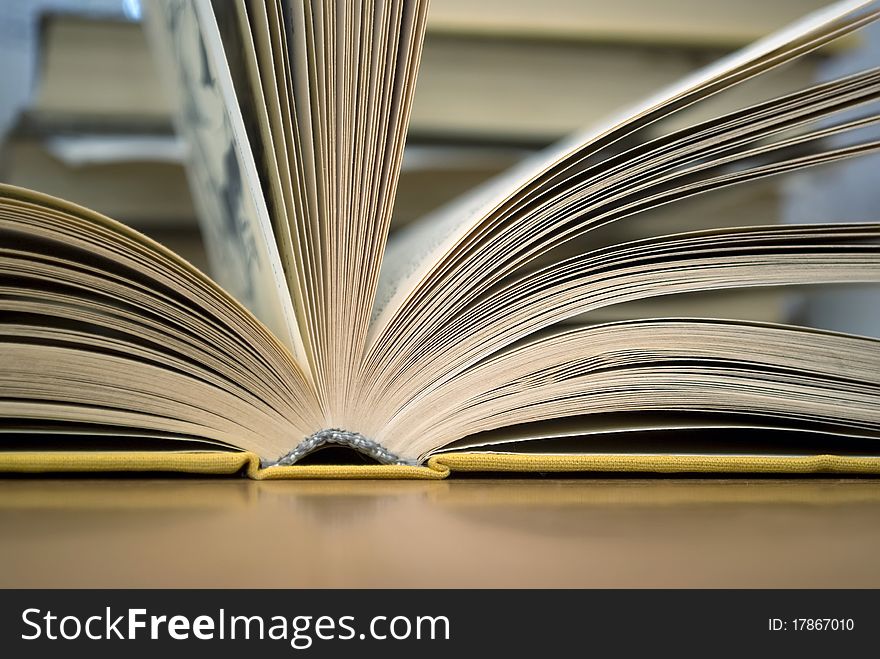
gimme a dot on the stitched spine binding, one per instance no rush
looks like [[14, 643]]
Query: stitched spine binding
[[338, 437]]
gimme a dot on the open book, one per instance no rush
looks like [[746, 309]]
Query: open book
[[445, 349]]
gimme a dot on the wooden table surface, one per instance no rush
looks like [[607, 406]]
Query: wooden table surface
[[573, 532]]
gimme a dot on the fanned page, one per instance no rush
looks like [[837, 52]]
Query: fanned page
[[414, 254], [347, 75], [238, 236], [112, 343], [460, 347], [459, 283]]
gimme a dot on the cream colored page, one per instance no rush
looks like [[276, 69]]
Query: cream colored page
[[222, 171], [663, 366], [411, 256]]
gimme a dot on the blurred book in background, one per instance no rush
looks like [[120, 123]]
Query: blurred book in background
[[497, 81], [121, 176], [97, 73], [503, 85], [674, 22]]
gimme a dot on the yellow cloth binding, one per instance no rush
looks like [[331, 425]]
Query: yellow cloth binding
[[437, 467]]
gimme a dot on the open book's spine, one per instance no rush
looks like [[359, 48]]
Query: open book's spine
[[344, 438]]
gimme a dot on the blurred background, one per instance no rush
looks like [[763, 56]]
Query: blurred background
[[84, 116]]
